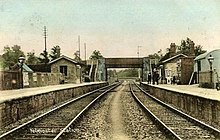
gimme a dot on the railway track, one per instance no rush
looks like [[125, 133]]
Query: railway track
[[176, 124], [138, 125], [58, 121], [116, 116]]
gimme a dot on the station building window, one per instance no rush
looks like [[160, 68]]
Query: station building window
[[63, 70]]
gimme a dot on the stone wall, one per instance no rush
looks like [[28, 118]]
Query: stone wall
[[71, 70], [206, 110], [12, 79], [14, 110], [43, 79]]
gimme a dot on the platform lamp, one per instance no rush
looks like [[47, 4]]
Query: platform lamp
[[162, 73], [80, 73], [178, 63], [21, 60], [211, 59]]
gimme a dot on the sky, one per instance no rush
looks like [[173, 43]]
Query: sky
[[114, 27]]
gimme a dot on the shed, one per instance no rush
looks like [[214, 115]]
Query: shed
[[208, 73], [169, 67]]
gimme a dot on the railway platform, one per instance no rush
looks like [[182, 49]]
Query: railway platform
[[21, 103], [201, 103], [8, 95], [194, 90]]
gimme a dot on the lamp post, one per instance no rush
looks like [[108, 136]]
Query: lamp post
[[154, 75], [21, 61], [178, 63], [138, 53], [161, 73], [80, 73], [211, 59]]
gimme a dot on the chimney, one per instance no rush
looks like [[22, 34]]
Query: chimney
[[172, 49], [191, 48]]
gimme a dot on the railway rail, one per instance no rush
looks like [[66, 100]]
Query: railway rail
[[117, 116], [58, 121], [176, 124]]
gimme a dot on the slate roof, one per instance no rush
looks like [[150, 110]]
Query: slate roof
[[25, 67], [171, 58], [64, 57]]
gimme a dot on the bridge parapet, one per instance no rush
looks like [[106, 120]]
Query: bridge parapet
[[124, 62]]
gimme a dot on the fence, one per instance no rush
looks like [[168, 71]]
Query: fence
[[12, 79]]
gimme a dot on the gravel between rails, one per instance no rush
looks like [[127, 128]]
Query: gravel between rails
[[116, 116], [139, 126], [95, 124]]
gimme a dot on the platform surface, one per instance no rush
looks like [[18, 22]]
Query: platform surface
[[6, 95], [194, 90]]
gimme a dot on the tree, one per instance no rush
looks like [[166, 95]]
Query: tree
[[1, 62], [96, 55], [185, 47], [44, 57], [154, 56], [112, 73], [55, 52], [76, 56], [128, 73], [199, 50], [11, 55], [31, 58]]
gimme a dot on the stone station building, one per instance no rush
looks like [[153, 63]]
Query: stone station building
[[69, 68]]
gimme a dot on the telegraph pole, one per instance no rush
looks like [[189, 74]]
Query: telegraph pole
[[45, 38], [79, 45], [85, 50], [139, 73]]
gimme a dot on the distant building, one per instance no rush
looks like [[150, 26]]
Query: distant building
[[178, 65], [207, 73], [172, 67], [70, 69]]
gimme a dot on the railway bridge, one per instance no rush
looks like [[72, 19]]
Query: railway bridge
[[104, 64]]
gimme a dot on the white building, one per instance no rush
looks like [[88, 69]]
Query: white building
[[207, 67]]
